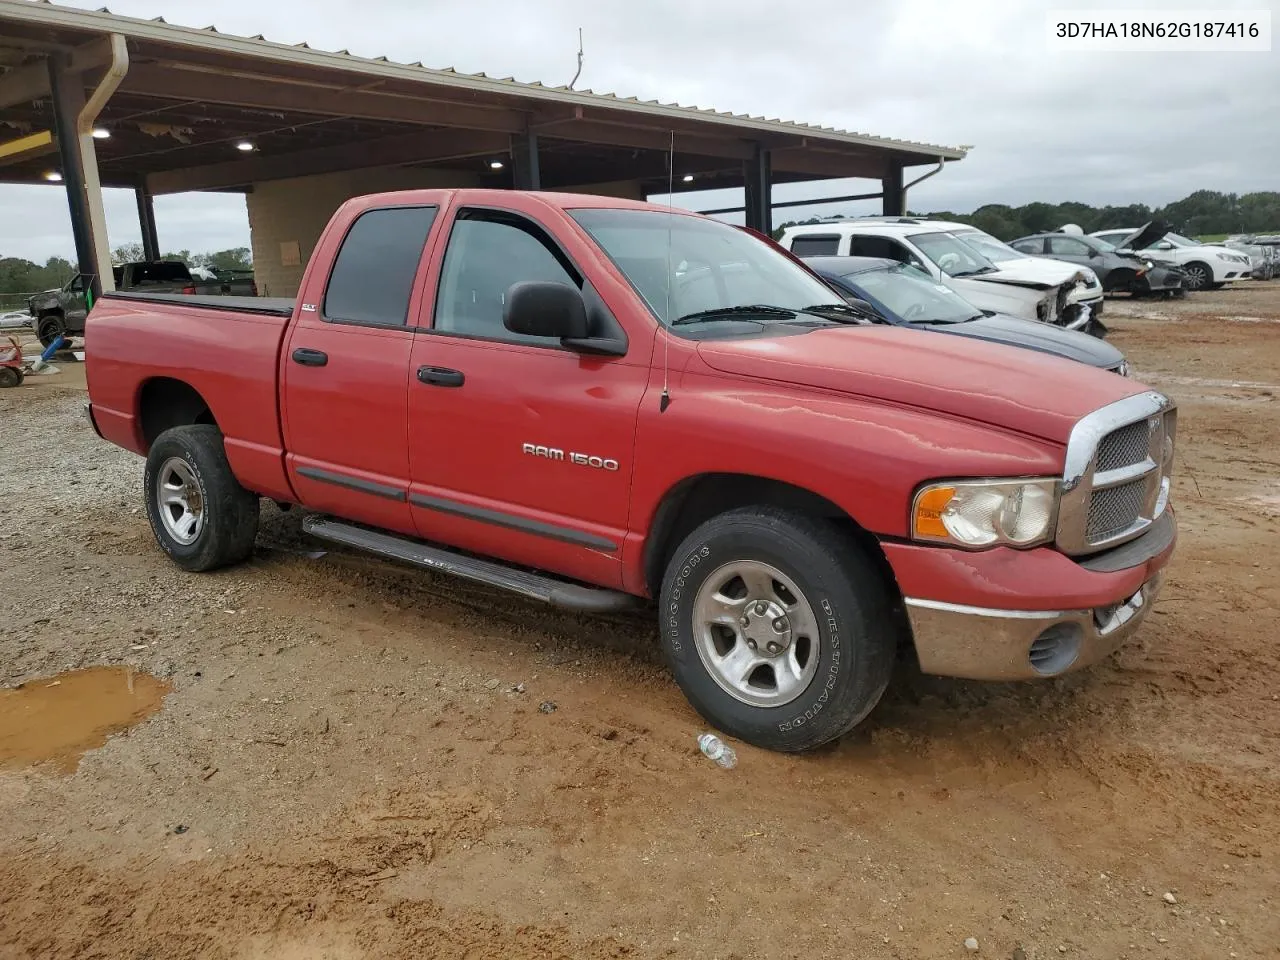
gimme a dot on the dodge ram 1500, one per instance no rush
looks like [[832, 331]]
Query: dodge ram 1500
[[596, 402]]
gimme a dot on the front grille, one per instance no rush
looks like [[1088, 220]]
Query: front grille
[[1114, 510], [1117, 460], [1124, 447]]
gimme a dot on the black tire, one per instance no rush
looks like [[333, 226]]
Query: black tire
[[10, 377], [49, 328], [229, 512], [1197, 276], [1213, 286], [851, 603]]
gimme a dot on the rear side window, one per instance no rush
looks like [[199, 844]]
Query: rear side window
[[826, 245], [1068, 247], [372, 277], [1035, 246], [160, 271]]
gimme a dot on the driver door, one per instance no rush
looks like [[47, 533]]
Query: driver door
[[519, 448]]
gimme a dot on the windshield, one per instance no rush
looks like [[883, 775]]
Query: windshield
[[705, 265], [905, 293], [991, 248], [952, 255], [1099, 244]]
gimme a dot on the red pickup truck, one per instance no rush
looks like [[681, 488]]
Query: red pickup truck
[[593, 402]]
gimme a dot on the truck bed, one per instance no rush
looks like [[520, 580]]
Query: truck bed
[[226, 349], [267, 306]]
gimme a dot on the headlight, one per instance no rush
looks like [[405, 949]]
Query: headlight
[[986, 513], [1150, 265]]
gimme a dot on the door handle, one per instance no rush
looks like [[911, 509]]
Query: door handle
[[310, 358], [440, 376]]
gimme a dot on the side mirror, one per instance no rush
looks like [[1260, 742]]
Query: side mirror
[[538, 308]]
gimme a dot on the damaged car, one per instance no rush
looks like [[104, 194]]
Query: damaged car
[[1205, 266], [1120, 271], [957, 256], [899, 294]]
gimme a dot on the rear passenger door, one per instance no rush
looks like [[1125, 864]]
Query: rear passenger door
[[345, 369]]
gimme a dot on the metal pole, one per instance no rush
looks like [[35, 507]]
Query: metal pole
[[147, 221], [68, 101], [894, 195]]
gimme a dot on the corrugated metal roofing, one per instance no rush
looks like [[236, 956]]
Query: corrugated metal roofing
[[159, 30]]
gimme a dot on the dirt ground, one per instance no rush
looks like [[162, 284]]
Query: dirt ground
[[356, 760]]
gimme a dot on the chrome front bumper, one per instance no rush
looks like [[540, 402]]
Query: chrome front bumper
[[984, 644]]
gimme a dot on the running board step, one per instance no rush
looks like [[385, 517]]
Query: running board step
[[536, 586]]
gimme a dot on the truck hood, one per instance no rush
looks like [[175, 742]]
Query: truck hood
[[1038, 273], [998, 297], [1009, 387]]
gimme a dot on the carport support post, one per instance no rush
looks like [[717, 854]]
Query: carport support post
[[758, 176], [68, 101], [525, 174], [894, 202], [147, 220]]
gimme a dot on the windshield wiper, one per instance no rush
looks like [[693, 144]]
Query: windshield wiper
[[974, 273], [843, 312], [734, 313]]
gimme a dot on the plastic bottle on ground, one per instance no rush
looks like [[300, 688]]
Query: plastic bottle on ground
[[716, 749]]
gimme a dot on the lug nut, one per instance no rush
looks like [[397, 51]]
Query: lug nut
[[751, 644], [760, 607], [745, 621], [773, 647], [779, 624]]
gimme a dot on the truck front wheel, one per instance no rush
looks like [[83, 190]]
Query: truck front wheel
[[777, 627], [199, 513]]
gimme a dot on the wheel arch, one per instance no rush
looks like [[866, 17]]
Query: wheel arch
[[1120, 278], [166, 402], [696, 499]]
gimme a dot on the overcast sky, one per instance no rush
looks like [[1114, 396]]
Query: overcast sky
[[1044, 125]]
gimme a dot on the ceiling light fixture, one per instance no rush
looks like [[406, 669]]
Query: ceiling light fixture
[[244, 146], [101, 133], [496, 164], [53, 176], [687, 178]]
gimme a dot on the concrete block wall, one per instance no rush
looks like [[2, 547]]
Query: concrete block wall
[[285, 213]]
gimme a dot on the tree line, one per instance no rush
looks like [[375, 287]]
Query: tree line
[[1203, 213]]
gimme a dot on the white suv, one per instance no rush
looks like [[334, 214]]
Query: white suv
[[1206, 266], [986, 272]]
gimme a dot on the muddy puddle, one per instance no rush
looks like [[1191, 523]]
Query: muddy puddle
[[55, 720]]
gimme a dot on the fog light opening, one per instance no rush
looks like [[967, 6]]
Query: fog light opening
[[1056, 649]]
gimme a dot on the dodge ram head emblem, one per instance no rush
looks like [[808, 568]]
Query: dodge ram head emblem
[[577, 459]]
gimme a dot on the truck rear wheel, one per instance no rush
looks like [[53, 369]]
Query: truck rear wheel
[[49, 328], [199, 513], [777, 627]]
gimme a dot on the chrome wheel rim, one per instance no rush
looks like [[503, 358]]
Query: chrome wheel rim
[[179, 500], [1195, 278], [755, 633]]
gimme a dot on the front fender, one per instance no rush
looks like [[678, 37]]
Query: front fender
[[865, 456]]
